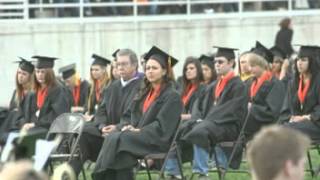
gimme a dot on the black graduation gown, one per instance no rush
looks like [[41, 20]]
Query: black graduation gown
[[265, 106], [54, 105], [221, 118], [116, 100], [158, 124], [94, 103], [19, 114], [292, 107], [187, 109], [84, 93]]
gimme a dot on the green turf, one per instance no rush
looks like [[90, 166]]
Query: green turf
[[230, 176]]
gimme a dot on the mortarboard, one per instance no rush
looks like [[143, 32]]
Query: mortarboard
[[44, 61], [205, 58], [114, 54], [99, 60], [68, 71], [225, 52], [262, 51], [161, 56], [309, 51], [276, 51], [25, 65]]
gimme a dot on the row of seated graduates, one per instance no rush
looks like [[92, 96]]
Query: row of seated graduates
[[256, 125]]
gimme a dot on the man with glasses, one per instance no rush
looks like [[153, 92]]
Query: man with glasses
[[217, 114], [117, 98]]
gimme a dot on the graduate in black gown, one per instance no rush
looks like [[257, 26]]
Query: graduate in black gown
[[218, 114], [79, 88], [301, 110], [50, 96], [148, 126], [117, 99], [100, 80], [21, 104], [266, 92], [192, 87]]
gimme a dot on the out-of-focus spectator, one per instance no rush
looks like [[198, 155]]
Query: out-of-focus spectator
[[278, 153], [21, 170], [284, 37]]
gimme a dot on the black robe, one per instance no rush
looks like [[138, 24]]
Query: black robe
[[187, 109], [216, 120], [265, 106], [158, 124], [94, 103], [117, 100], [292, 107], [18, 115], [54, 105], [84, 93]]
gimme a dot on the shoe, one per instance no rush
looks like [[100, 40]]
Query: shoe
[[174, 177], [203, 177]]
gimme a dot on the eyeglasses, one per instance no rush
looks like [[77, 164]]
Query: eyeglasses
[[123, 64], [219, 61]]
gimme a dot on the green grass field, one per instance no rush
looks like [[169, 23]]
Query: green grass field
[[231, 175]]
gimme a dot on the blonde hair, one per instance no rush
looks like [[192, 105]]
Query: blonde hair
[[256, 60], [105, 82]]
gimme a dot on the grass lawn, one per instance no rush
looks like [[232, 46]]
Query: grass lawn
[[230, 176]]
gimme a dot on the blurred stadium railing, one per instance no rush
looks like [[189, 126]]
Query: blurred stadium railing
[[39, 11]]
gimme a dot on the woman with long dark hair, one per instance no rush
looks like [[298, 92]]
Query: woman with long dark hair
[[191, 85], [50, 100], [148, 126], [302, 105]]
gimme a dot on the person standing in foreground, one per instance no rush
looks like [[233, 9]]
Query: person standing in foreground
[[278, 153]]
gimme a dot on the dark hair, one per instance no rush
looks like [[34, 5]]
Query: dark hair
[[312, 69], [168, 78], [199, 77], [210, 64], [50, 79], [285, 23]]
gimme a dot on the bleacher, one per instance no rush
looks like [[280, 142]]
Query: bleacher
[[146, 10]]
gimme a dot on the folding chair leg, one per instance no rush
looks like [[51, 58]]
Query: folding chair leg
[[310, 164], [217, 165], [83, 173], [179, 161], [147, 168]]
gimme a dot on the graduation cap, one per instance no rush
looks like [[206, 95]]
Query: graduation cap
[[99, 60], [68, 71], [44, 61], [276, 51], [25, 65], [114, 54], [309, 51], [203, 58], [262, 51], [161, 56], [225, 52]]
